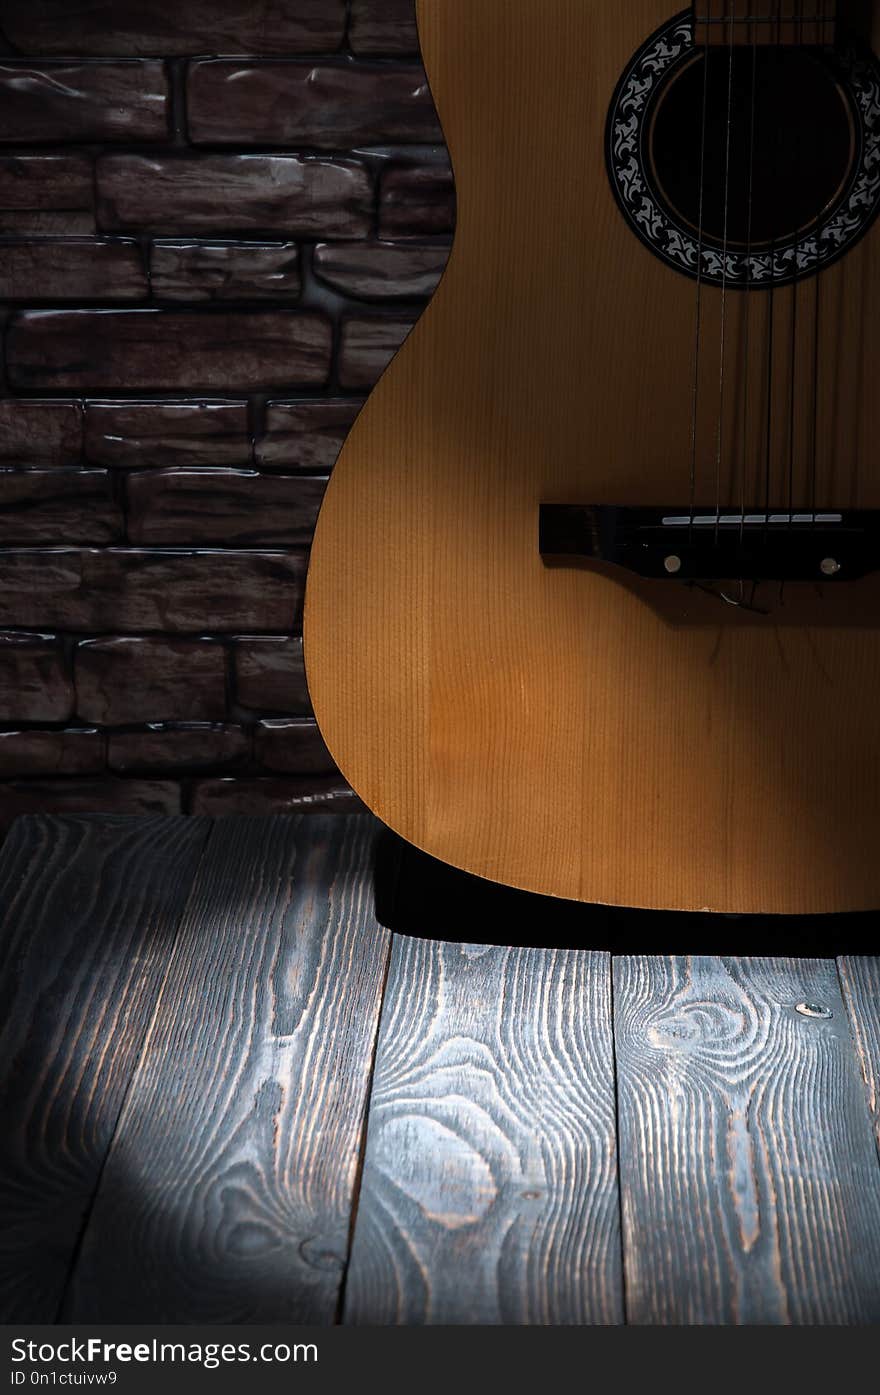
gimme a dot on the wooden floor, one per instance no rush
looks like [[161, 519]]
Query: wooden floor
[[230, 1095]]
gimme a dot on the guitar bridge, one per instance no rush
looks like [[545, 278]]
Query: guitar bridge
[[681, 545]]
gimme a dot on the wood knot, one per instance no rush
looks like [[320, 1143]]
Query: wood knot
[[318, 1252]]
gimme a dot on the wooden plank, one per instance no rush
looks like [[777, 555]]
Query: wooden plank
[[90, 906], [489, 1192], [227, 1194], [749, 1177], [860, 977]]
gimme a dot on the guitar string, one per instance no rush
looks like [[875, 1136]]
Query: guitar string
[[817, 305], [719, 444], [771, 297], [822, 40], [699, 306], [854, 333], [748, 291], [797, 17]]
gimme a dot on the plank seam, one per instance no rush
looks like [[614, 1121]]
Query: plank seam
[[362, 1142], [137, 1062], [615, 1074], [858, 1052]]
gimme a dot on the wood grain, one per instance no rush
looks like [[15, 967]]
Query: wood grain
[[489, 1189], [749, 1177], [227, 1194], [555, 729], [860, 979], [726, 22], [90, 910]]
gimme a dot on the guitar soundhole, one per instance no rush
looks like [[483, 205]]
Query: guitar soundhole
[[779, 143], [809, 156]]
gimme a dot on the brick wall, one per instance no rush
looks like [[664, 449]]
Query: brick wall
[[206, 262]]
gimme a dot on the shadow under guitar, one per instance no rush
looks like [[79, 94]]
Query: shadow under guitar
[[837, 605], [420, 896]]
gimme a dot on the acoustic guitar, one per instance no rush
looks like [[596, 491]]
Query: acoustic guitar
[[593, 606]]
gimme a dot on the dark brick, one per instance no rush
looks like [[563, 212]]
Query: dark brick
[[229, 194], [46, 194], [159, 349], [225, 270], [184, 27], [326, 106], [78, 751], [126, 100], [71, 795], [34, 682], [306, 435], [40, 433], [316, 794], [367, 347], [149, 680], [132, 434], [292, 747], [127, 589], [383, 26], [270, 675], [380, 270], [178, 748], [237, 508], [58, 506], [417, 201], [84, 269]]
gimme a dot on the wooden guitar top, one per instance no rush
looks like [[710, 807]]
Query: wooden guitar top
[[573, 730]]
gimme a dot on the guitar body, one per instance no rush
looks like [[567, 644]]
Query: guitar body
[[577, 730]]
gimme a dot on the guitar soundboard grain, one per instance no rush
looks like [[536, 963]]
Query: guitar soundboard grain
[[567, 730]]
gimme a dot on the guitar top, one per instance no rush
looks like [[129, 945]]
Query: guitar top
[[593, 606]]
